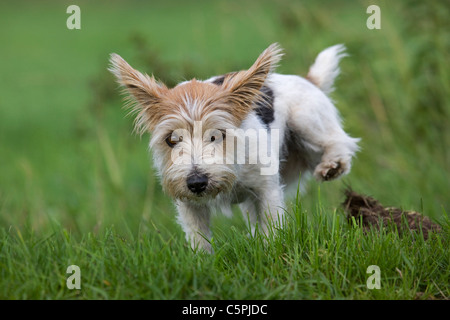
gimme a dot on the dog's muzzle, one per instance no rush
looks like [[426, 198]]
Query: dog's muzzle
[[197, 183]]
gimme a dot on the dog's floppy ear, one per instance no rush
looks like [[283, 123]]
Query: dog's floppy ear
[[144, 92], [244, 88]]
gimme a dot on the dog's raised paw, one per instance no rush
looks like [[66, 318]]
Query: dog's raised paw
[[330, 170]]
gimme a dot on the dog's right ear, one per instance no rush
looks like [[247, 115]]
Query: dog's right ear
[[144, 92], [244, 88]]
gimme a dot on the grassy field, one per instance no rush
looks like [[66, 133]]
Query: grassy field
[[77, 187]]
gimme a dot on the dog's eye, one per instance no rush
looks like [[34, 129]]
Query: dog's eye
[[218, 135], [172, 140]]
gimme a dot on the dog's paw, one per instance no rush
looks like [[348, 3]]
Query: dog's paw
[[329, 170]]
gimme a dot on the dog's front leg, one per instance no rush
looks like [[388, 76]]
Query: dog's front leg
[[270, 206], [194, 219]]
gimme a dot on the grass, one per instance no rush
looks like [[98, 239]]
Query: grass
[[76, 186], [314, 258]]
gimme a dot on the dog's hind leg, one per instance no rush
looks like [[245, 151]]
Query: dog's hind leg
[[324, 144]]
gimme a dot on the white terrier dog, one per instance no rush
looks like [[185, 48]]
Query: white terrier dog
[[200, 131]]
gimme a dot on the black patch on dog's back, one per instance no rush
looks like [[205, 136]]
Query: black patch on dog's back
[[264, 108], [219, 81]]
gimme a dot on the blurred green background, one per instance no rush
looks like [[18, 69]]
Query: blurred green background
[[68, 157]]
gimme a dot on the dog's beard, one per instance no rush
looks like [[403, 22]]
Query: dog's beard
[[221, 179]]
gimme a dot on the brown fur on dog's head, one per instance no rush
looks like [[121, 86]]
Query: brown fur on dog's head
[[162, 111], [151, 99]]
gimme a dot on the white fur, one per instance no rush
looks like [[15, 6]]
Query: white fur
[[326, 67], [312, 141]]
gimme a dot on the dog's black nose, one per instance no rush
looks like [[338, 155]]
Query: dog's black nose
[[197, 183]]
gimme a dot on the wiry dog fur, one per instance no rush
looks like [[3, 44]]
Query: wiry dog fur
[[310, 133]]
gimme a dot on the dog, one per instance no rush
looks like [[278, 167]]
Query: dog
[[199, 132]]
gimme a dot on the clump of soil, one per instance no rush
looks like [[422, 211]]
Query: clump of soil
[[370, 213]]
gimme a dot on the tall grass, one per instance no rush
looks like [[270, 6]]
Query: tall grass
[[320, 257]]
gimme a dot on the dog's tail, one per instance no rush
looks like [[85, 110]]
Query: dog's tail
[[326, 68]]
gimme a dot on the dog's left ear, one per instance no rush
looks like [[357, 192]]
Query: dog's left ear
[[244, 88], [145, 92]]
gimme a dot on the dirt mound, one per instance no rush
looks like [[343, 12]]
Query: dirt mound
[[370, 213]]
